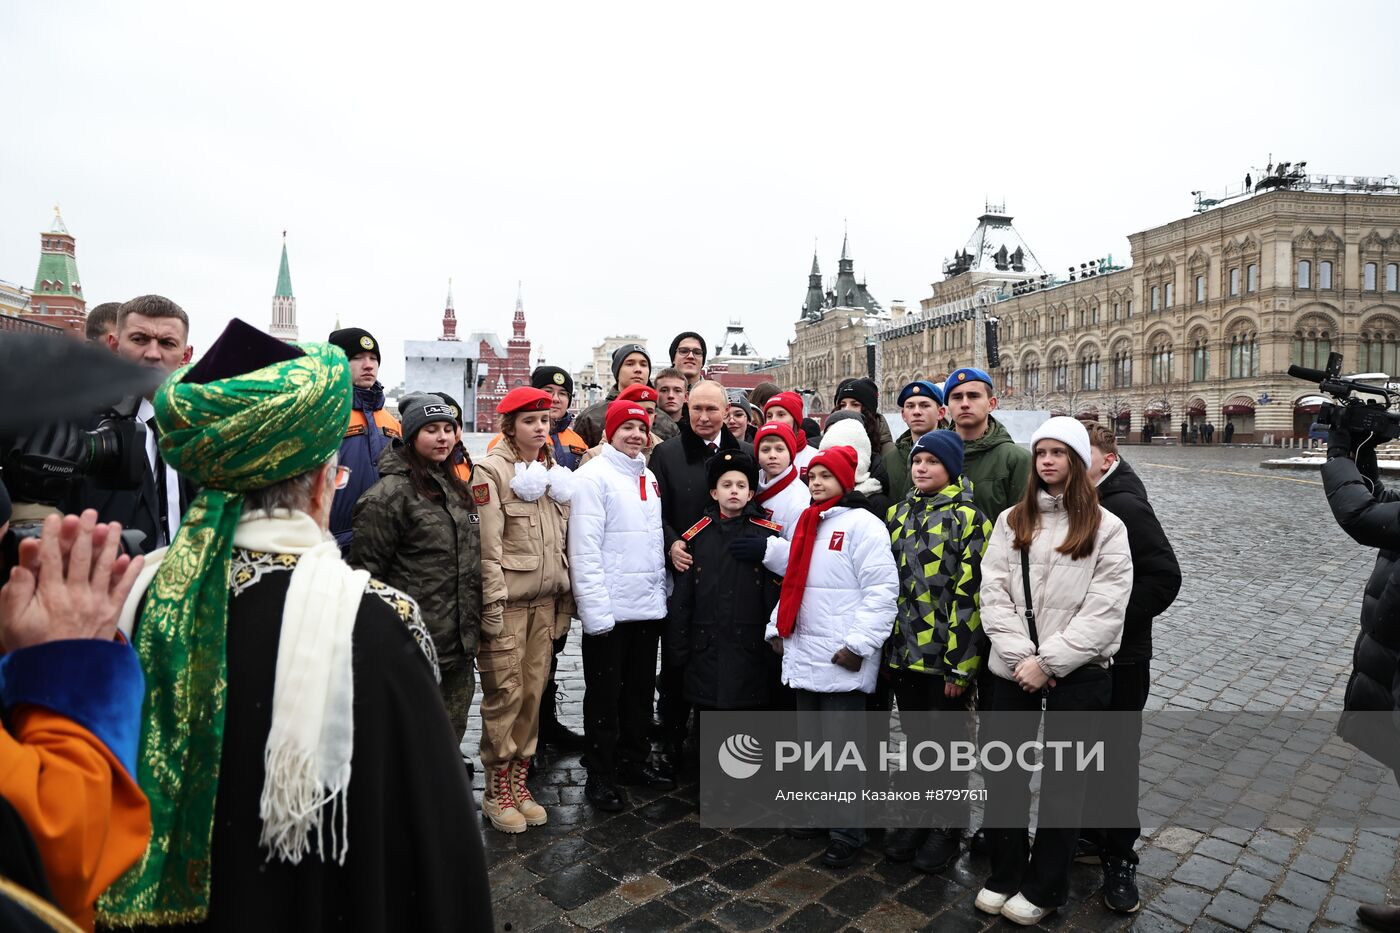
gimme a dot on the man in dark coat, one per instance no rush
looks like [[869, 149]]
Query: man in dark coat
[[722, 604], [152, 331], [1370, 514], [1156, 582], [679, 466]]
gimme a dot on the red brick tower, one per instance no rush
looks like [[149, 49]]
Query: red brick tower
[[518, 348], [58, 293]]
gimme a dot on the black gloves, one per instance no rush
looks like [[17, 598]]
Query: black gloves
[[749, 549], [1339, 442]]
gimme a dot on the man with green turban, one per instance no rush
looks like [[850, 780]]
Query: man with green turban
[[294, 747]]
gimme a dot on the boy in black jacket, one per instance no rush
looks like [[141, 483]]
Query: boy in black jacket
[[1156, 581], [722, 603]]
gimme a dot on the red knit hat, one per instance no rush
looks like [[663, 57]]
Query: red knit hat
[[790, 402], [524, 398], [623, 410], [841, 461], [781, 431], [641, 392]]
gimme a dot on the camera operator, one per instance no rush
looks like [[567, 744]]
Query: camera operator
[[151, 331], [1370, 514]]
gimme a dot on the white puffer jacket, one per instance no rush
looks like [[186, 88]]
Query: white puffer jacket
[[852, 585], [1079, 604], [803, 459], [786, 507], [616, 554]]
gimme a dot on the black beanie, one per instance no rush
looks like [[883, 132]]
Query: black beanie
[[726, 460], [546, 376], [704, 347], [355, 340], [862, 390]]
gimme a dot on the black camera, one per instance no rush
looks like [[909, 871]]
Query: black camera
[[43, 466], [1369, 419]]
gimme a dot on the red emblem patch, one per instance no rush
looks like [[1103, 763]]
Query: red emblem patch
[[656, 488], [838, 538], [481, 493]]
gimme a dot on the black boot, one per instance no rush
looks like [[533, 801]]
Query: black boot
[[603, 793], [940, 850], [902, 843], [553, 732], [1379, 916]]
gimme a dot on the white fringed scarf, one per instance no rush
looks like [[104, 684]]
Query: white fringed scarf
[[311, 741]]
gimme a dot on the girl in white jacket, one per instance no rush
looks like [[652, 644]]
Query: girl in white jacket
[[619, 583], [1080, 576], [835, 611]]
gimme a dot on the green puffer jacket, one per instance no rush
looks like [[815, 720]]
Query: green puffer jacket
[[938, 542], [430, 550], [999, 469]]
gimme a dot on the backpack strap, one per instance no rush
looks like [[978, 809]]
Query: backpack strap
[[1030, 609]]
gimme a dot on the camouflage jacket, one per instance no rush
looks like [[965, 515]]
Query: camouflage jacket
[[430, 550], [938, 542]]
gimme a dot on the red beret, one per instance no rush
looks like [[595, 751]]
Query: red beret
[[524, 398], [637, 393]]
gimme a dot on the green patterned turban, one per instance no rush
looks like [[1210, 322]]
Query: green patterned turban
[[230, 435]]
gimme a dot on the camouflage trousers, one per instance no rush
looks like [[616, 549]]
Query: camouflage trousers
[[458, 686]]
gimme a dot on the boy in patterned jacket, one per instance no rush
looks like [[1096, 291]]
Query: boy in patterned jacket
[[938, 645]]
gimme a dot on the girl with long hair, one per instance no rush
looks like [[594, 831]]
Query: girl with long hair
[[523, 498], [417, 530], [1050, 651]]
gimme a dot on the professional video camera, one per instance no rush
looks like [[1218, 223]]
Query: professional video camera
[[41, 467], [1359, 417]]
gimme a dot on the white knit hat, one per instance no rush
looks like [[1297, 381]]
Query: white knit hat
[[1069, 430]]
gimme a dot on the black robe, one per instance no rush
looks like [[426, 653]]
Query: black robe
[[415, 859]]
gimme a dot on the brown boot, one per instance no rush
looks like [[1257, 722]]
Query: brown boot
[[1379, 916], [498, 803], [531, 812]]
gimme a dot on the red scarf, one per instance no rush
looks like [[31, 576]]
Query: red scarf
[[804, 539], [783, 482]]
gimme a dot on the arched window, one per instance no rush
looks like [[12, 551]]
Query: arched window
[[1311, 344], [1368, 277], [1088, 370], [1304, 274], [1160, 361], [1380, 350], [1392, 272], [1324, 274], [1123, 366], [1199, 360], [1244, 352], [1059, 371]]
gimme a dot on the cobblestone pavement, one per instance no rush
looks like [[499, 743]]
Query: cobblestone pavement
[[1265, 621]]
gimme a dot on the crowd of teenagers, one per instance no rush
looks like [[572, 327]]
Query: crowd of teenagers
[[317, 567]]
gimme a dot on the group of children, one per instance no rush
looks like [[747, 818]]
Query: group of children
[[803, 592]]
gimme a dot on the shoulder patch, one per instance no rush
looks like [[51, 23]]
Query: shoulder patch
[[696, 528], [406, 608], [481, 493], [767, 523]]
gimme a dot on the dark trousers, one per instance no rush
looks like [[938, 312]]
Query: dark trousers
[[917, 692], [1131, 683], [671, 704], [815, 726], [549, 708], [619, 669], [1044, 879]]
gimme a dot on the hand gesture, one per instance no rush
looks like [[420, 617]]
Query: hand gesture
[[70, 583]]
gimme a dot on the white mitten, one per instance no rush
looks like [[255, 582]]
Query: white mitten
[[530, 482], [561, 484]]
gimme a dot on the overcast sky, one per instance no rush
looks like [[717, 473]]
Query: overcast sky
[[641, 168]]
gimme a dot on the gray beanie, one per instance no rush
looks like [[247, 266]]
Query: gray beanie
[[419, 409], [626, 350]]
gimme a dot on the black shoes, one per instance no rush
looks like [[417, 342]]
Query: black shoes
[[1120, 893], [1086, 852], [560, 737], [804, 832], [978, 844], [940, 850], [1379, 917], [901, 844], [604, 794], [839, 854], [641, 774]]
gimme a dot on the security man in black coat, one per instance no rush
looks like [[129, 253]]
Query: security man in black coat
[[1370, 514], [721, 606], [679, 467], [1156, 582]]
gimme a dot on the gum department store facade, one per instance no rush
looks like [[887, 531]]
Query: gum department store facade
[[1202, 326]]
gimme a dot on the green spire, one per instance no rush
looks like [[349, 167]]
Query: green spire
[[284, 274], [58, 265]]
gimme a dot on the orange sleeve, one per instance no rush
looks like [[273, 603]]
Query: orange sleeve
[[88, 817]]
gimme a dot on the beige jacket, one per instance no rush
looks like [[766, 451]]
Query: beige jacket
[[1079, 604], [523, 544]]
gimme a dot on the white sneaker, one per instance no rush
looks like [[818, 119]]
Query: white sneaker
[[990, 902], [1019, 910]]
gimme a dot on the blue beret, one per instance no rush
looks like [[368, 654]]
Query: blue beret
[[965, 375], [920, 387]]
